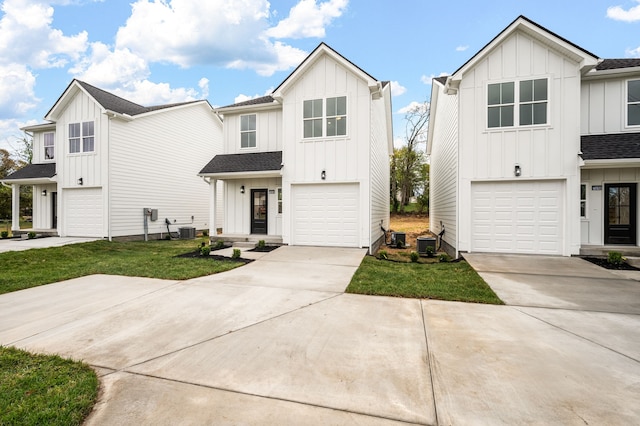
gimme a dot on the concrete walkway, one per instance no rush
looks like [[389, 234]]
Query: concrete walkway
[[20, 244], [278, 342]]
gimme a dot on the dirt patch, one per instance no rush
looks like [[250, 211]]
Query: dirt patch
[[265, 249], [624, 266], [413, 225]]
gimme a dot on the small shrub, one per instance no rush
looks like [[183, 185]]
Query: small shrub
[[205, 233], [414, 256], [615, 258], [444, 257], [261, 244], [236, 254], [219, 244], [167, 237], [382, 254], [205, 250], [4, 234], [430, 251], [31, 235], [400, 245]]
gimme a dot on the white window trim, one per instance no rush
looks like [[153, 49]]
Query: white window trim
[[248, 148], [324, 118], [627, 103], [44, 151], [586, 199], [516, 104], [81, 137]]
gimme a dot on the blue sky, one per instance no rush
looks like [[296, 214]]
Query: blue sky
[[161, 51]]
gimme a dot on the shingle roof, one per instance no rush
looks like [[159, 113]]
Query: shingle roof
[[251, 162], [612, 64], [442, 80], [120, 105], [611, 146], [34, 171], [255, 101]]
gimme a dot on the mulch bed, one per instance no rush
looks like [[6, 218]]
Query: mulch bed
[[196, 255], [600, 261], [265, 249]]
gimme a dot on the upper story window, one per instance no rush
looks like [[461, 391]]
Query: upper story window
[[633, 103], [49, 140], [330, 120], [531, 97], [81, 137], [248, 131]]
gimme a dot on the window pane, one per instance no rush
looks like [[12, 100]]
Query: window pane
[[317, 128], [540, 90], [494, 94], [331, 107], [74, 130], [507, 93], [87, 128], [634, 91], [48, 153], [74, 145], [526, 114], [308, 129], [583, 192], [307, 109], [341, 105], [87, 144], [506, 116], [526, 91], [331, 126], [540, 113], [494, 117], [583, 208], [244, 123], [342, 126], [634, 115]]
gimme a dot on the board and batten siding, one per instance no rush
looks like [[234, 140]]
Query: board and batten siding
[[154, 162], [268, 132], [237, 209], [443, 170], [379, 160], [547, 151], [345, 159], [604, 107]]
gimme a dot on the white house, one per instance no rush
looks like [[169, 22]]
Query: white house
[[101, 161], [308, 164], [535, 148]]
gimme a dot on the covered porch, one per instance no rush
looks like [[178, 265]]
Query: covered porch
[[42, 180]]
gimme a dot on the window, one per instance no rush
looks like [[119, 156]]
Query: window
[[248, 131], [583, 200], [337, 116], [81, 137], [532, 98], [533, 102], [49, 139], [279, 200], [501, 102], [633, 103], [317, 124]]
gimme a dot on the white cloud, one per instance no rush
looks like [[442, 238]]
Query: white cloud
[[633, 53], [285, 57], [107, 68], [17, 96], [308, 19], [461, 48], [397, 89], [145, 92], [203, 84], [619, 14], [413, 106]]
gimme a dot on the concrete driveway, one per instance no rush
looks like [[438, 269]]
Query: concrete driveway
[[20, 244], [278, 342]]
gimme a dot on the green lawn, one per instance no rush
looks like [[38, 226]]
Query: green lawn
[[456, 281], [155, 259], [44, 390]]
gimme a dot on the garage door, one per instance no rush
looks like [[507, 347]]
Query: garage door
[[83, 212], [517, 217], [325, 215]]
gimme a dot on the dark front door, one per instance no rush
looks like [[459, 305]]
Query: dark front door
[[258, 211], [620, 213], [54, 210]]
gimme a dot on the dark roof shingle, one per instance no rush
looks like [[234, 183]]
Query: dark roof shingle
[[256, 101], [611, 146], [613, 64], [33, 171], [251, 162]]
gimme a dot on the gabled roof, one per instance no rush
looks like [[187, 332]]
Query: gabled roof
[[33, 171], [108, 101], [610, 146], [240, 163], [614, 64], [256, 101], [587, 59], [325, 49]]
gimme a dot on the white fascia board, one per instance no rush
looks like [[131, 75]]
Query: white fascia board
[[42, 127], [611, 163], [243, 175], [618, 72]]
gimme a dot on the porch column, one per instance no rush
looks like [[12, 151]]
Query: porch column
[[213, 183], [15, 207]]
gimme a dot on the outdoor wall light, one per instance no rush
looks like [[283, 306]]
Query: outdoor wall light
[[323, 175], [242, 189], [44, 192], [80, 182], [517, 171]]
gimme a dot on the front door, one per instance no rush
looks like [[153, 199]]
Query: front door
[[620, 213], [258, 211], [54, 210]]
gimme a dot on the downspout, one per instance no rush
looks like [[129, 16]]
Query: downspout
[[109, 237]]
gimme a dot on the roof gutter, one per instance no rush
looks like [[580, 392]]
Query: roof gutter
[[113, 114]]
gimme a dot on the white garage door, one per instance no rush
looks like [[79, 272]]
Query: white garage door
[[325, 215], [83, 212], [517, 217]]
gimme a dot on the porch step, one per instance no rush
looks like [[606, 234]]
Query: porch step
[[38, 232], [247, 240], [603, 251]]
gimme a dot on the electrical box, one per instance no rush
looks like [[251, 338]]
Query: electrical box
[[154, 215]]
